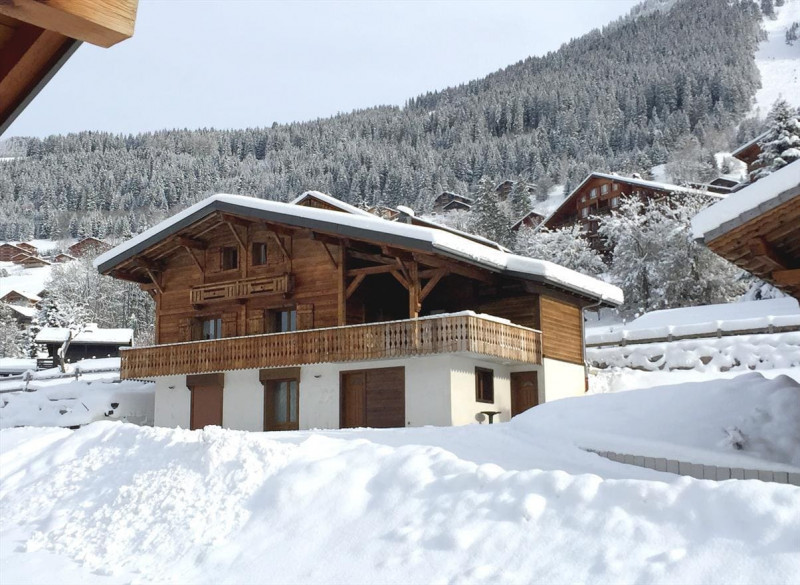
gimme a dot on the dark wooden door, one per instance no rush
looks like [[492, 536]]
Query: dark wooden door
[[524, 391], [373, 398], [206, 400]]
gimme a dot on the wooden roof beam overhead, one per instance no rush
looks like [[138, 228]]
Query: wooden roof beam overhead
[[762, 251], [99, 22], [787, 277], [191, 243]]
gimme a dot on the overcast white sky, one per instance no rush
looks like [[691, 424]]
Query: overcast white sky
[[235, 64]]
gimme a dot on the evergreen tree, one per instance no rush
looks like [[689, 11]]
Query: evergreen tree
[[781, 144], [566, 246]]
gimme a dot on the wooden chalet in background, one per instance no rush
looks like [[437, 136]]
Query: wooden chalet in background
[[14, 297], [61, 258], [601, 193], [90, 246], [749, 152], [88, 343], [529, 220], [30, 261], [758, 228], [447, 201], [320, 315], [9, 251], [29, 248]]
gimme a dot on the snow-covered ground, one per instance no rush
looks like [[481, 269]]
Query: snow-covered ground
[[21, 279], [555, 197], [779, 63], [90, 392]]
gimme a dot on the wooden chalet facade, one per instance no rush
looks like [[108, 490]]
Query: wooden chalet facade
[[282, 316], [529, 220], [749, 152], [601, 193], [758, 228], [447, 201], [10, 251], [91, 246], [14, 297]]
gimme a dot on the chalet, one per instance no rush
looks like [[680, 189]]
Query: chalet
[[61, 258], [29, 248], [749, 152], [758, 228], [22, 314], [37, 38], [273, 316], [29, 261], [10, 251], [529, 220], [89, 342], [601, 193], [447, 201], [90, 246], [15, 297]]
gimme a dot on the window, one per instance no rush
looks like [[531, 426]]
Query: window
[[604, 189], [230, 258], [283, 321], [593, 193], [484, 385], [585, 212], [211, 328], [281, 405], [614, 186], [259, 253], [614, 201]]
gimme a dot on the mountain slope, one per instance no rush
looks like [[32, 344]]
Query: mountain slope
[[618, 99]]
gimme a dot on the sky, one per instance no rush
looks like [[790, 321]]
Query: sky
[[247, 63]]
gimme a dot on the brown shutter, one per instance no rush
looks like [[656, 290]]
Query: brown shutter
[[305, 316], [185, 329], [229, 324], [255, 321], [195, 329]]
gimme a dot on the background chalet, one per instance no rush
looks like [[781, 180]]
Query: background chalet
[[319, 315]]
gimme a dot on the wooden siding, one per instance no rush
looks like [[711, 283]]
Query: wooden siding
[[446, 334], [522, 310], [561, 330]]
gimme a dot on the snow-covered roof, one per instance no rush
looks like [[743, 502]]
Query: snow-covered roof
[[369, 226], [30, 296], [656, 185], [90, 335], [332, 201], [747, 145], [28, 312], [747, 203]]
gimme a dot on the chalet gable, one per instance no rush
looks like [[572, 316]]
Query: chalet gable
[[139, 259]]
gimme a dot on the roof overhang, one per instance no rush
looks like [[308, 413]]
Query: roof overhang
[[371, 229]]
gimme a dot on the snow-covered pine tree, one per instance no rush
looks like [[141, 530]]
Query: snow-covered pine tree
[[565, 246], [487, 219], [781, 144], [12, 338]]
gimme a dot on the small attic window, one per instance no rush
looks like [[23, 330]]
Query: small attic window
[[230, 258]]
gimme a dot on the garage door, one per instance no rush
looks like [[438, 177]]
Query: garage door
[[373, 398]]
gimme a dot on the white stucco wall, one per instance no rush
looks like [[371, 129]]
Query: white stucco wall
[[173, 402], [243, 401], [561, 380], [462, 383]]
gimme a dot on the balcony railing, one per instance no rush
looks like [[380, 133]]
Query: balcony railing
[[427, 336], [239, 289]]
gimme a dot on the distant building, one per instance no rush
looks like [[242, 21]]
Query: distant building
[[9, 251], [29, 261], [529, 220], [720, 185], [601, 193], [749, 152], [90, 245], [14, 297], [448, 201], [29, 248], [23, 314], [61, 258], [90, 342]]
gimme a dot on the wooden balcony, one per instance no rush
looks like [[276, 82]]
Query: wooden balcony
[[395, 339], [240, 289]]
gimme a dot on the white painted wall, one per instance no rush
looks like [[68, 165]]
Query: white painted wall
[[561, 380], [243, 401], [173, 402], [462, 384]]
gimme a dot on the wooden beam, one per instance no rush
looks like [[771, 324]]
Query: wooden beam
[[196, 261], [354, 285], [414, 300], [235, 220], [278, 241], [399, 278], [383, 269], [787, 277], [456, 268], [191, 243], [155, 281], [99, 22], [377, 258], [342, 306], [330, 254], [761, 250], [237, 236], [431, 284]]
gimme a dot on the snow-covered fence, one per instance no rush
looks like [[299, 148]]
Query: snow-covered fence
[[753, 352], [699, 470]]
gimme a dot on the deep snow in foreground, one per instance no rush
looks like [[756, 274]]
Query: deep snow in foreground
[[516, 502]]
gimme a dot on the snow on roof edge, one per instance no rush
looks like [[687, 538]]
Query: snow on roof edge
[[445, 242], [728, 213]]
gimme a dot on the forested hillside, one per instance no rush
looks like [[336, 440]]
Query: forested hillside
[[619, 99]]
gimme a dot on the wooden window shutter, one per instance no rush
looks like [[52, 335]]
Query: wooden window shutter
[[305, 316], [255, 321], [229, 324], [185, 329]]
